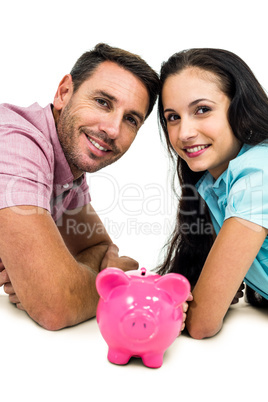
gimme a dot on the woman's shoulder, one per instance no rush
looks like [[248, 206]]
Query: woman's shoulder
[[251, 157]]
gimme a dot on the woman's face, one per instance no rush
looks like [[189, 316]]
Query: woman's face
[[195, 109]]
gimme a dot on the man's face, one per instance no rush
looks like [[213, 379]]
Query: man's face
[[97, 124]]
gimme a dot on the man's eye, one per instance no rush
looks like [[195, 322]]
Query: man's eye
[[102, 102], [132, 120]]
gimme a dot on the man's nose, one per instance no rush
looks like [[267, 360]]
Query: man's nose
[[111, 125]]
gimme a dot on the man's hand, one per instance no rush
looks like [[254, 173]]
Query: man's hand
[[112, 259], [3, 274], [8, 288]]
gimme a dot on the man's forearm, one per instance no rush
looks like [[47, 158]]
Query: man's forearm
[[93, 256], [50, 274], [91, 261], [82, 298], [85, 296]]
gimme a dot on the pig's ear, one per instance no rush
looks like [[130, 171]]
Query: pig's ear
[[176, 285], [108, 279]]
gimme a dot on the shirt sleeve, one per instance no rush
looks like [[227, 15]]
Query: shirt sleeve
[[26, 167], [247, 190], [80, 195]]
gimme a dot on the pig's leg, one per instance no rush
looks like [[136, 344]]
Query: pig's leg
[[118, 357], [153, 360]]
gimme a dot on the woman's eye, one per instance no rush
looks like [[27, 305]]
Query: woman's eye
[[173, 117], [202, 109]]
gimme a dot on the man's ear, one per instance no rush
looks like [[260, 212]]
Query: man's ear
[[64, 92]]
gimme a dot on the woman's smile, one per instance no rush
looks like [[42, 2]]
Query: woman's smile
[[195, 150], [196, 113]]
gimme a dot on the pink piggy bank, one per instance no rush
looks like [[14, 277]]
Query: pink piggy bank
[[140, 313]]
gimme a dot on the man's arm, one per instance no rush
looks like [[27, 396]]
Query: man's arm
[[87, 239], [53, 270]]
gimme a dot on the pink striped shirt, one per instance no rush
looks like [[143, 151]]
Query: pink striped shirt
[[33, 167]]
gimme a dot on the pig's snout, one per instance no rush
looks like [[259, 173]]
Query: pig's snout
[[139, 325]]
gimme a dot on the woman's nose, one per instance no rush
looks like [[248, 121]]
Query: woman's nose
[[187, 130]]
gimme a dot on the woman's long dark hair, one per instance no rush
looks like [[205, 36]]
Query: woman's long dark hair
[[193, 234]]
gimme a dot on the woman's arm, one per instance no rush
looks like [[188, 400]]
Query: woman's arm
[[231, 256]]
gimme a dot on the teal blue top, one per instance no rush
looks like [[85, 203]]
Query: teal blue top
[[242, 191]]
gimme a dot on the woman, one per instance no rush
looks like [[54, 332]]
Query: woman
[[214, 115]]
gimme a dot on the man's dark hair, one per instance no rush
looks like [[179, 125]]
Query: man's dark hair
[[89, 61]]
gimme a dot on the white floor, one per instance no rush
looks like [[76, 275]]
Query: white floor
[[71, 365]]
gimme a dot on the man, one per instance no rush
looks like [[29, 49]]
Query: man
[[48, 269]]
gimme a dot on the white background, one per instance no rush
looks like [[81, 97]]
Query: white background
[[40, 42]]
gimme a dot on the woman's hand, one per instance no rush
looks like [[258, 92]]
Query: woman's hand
[[239, 294], [185, 308]]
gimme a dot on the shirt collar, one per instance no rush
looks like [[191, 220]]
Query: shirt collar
[[208, 184]]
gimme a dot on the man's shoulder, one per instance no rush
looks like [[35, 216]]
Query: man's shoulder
[[31, 118], [28, 128]]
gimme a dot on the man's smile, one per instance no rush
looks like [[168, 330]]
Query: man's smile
[[97, 145]]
